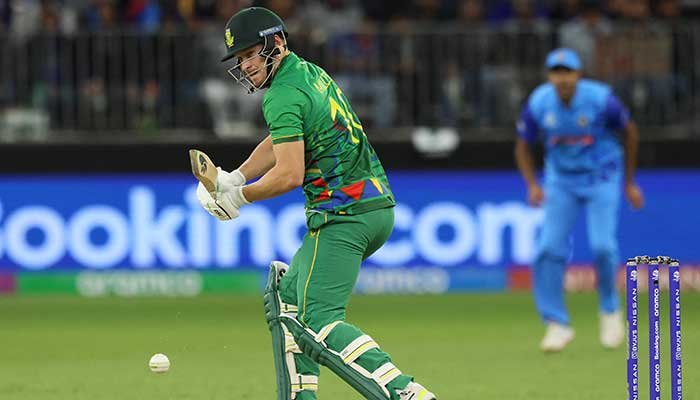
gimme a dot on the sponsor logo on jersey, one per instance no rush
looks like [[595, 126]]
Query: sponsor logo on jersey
[[572, 140]]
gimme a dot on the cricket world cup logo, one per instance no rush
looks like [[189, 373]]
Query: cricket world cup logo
[[676, 276], [633, 275]]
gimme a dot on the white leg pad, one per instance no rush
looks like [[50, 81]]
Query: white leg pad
[[373, 385], [290, 346]]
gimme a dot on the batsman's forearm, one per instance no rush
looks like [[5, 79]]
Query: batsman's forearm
[[525, 162], [274, 183], [631, 149], [260, 161]]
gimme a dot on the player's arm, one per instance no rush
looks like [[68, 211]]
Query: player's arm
[[524, 158], [281, 160], [631, 148], [283, 108], [260, 161], [632, 190], [619, 119], [287, 173], [525, 161]]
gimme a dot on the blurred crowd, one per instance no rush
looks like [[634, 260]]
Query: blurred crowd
[[29, 16], [455, 63]]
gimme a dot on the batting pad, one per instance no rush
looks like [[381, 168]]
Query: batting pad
[[372, 385], [289, 382]]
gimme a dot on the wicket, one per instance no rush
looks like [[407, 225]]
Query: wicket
[[654, 327]]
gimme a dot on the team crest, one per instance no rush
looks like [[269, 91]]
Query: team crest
[[550, 121], [582, 121], [561, 56], [229, 38]]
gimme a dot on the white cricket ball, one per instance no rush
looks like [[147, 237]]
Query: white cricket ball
[[159, 363]]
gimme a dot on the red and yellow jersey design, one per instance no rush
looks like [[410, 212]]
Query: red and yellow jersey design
[[343, 173]]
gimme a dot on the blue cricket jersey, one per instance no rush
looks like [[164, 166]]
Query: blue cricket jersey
[[580, 138]]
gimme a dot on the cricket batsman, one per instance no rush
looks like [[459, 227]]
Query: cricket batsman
[[317, 142], [591, 150]]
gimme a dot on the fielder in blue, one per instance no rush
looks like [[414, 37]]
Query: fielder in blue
[[590, 155]]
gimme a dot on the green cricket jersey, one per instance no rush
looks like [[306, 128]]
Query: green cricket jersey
[[343, 173]]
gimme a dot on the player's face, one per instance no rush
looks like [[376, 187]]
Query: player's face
[[564, 80], [253, 64]]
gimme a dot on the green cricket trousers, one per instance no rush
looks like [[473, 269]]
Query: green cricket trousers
[[321, 278]]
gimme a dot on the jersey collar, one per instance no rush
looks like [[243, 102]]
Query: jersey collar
[[287, 62]]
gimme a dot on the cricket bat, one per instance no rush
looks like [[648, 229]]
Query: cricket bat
[[204, 170]]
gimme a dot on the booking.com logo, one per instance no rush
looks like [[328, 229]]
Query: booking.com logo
[[145, 235]]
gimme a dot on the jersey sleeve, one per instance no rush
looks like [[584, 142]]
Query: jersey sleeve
[[527, 126], [616, 114], [283, 109]]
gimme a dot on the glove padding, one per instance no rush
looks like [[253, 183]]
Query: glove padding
[[221, 210], [224, 207], [232, 198], [226, 181]]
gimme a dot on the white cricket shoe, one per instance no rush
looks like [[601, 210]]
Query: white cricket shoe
[[415, 391], [612, 330], [556, 337]]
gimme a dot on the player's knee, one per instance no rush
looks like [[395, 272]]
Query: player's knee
[[287, 291], [550, 253], [273, 301], [313, 322], [317, 320]]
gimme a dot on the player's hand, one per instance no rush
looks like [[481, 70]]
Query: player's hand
[[232, 199], [221, 210], [535, 195], [226, 181], [634, 195]]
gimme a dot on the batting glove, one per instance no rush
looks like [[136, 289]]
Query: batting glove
[[232, 199], [221, 210], [226, 181]]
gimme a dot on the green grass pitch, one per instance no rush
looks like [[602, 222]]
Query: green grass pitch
[[475, 346]]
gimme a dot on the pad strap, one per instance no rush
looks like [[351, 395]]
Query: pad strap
[[357, 348], [288, 308], [385, 374], [304, 382]]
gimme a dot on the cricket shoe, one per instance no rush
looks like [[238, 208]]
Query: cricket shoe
[[415, 391], [556, 337], [612, 330]]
